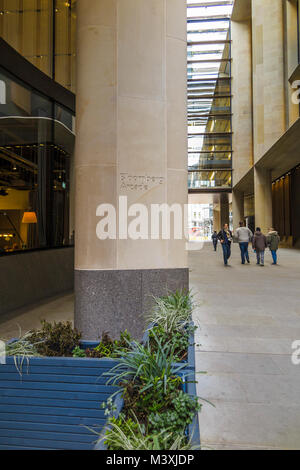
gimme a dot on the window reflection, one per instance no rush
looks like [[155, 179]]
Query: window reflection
[[44, 32], [209, 179], [35, 159], [209, 95]]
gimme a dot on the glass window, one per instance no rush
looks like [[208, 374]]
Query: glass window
[[27, 27], [44, 32], [19, 100], [65, 116], [209, 180], [209, 95], [35, 158], [206, 160], [65, 43]]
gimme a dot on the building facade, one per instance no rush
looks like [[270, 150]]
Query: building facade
[[37, 136], [209, 107], [265, 104], [131, 145], [172, 97], [43, 32], [128, 69]]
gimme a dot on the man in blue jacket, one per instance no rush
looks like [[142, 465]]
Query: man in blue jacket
[[225, 237]]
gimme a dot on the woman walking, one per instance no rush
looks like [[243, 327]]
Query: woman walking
[[273, 240]]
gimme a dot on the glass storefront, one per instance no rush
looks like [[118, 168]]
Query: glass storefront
[[43, 31], [36, 147]]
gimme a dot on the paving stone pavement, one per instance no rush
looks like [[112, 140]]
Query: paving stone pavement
[[248, 318], [60, 308]]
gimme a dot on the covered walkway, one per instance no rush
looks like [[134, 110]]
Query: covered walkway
[[248, 317], [59, 308]]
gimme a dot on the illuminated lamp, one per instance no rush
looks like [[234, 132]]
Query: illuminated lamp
[[29, 218]]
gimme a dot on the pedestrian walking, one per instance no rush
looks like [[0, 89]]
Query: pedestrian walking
[[244, 236], [225, 237], [259, 244], [215, 240], [273, 240]]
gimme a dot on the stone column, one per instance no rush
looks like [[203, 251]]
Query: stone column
[[237, 208], [242, 99], [263, 198], [224, 206], [131, 142], [217, 218], [216, 212], [268, 87]]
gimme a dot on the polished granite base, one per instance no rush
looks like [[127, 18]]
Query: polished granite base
[[112, 301]]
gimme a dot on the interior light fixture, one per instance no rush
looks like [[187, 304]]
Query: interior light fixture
[[29, 218]]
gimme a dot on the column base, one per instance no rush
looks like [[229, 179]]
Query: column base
[[115, 300]]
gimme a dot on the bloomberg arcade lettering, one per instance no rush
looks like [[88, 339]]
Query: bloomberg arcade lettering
[[130, 182]]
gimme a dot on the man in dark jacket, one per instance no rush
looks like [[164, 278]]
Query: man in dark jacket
[[215, 240], [225, 237], [259, 244]]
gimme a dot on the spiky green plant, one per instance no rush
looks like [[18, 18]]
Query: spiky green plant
[[129, 434], [146, 366], [21, 349], [172, 313], [180, 300]]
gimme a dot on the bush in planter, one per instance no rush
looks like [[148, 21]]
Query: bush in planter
[[129, 434], [109, 348], [143, 365], [180, 300], [152, 388], [78, 352], [21, 349], [177, 417], [55, 340], [171, 321], [180, 339], [172, 313]]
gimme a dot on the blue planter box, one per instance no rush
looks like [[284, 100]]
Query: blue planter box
[[188, 375], [193, 430], [54, 401], [57, 399]]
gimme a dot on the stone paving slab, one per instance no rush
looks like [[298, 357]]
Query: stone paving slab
[[60, 308], [248, 317]]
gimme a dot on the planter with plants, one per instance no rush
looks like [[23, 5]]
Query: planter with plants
[[51, 388], [53, 384], [158, 406], [171, 320]]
